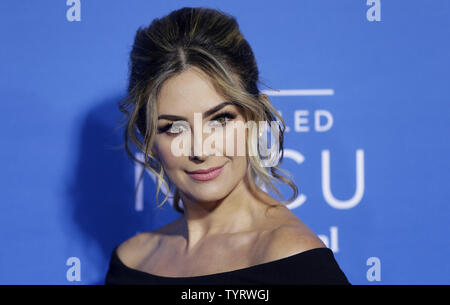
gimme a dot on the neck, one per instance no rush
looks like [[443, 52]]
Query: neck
[[238, 212]]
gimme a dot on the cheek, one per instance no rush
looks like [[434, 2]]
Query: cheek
[[235, 141], [163, 149], [237, 138]]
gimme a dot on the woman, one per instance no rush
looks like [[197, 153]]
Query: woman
[[194, 68]]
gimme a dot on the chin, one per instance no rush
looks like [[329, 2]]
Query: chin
[[207, 193]]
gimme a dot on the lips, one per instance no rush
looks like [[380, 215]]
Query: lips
[[206, 174]]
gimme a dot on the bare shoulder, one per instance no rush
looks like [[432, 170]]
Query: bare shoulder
[[290, 239], [131, 251], [135, 249]]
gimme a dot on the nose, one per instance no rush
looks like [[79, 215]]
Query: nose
[[198, 152]]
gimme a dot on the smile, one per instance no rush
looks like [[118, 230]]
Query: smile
[[205, 175]]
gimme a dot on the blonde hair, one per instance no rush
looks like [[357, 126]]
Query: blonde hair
[[211, 41]]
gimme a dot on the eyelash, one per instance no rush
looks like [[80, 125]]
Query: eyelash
[[227, 115]]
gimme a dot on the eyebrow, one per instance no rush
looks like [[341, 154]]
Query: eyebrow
[[205, 114]]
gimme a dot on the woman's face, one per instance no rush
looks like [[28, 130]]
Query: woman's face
[[180, 97]]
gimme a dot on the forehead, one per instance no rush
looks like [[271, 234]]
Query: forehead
[[188, 92]]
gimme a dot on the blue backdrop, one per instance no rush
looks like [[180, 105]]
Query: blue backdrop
[[364, 89]]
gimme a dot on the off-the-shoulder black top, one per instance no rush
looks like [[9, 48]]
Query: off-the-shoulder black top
[[315, 266]]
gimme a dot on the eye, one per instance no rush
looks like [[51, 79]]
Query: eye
[[223, 118], [175, 128]]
